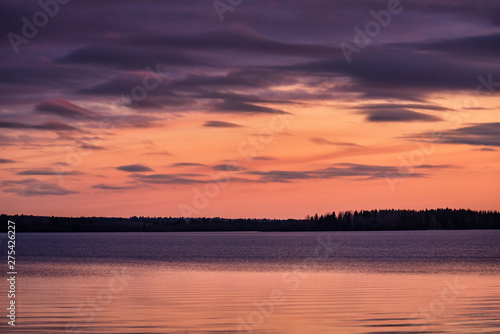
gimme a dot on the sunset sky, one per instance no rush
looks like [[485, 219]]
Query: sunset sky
[[248, 108]]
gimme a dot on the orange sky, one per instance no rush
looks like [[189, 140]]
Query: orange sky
[[468, 180], [177, 110]]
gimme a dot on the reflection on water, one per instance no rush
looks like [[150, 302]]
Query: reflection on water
[[259, 283]]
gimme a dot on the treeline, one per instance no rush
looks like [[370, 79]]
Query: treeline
[[377, 220], [374, 220]]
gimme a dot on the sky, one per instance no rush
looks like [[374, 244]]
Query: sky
[[234, 108]]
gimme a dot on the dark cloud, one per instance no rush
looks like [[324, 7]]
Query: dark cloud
[[64, 108], [227, 167], [476, 46], [402, 106], [235, 78], [128, 57], [88, 146], [184, 50], [104, 186], [236, 179], [135, 168], [33, 187], [400, 72], [6, 161], [481, 134], [210, 93], [485, 149], [25, 140], [434, 166], [179, 179], [242, 107], [342, 170], [45, 75], [123, 84], [46, 171], [281, 176], [240, 68], [54, 126], [483, 10], [187, 164], [181, 22], [190, 92], [254, 53], [220, 124], [324, 141], [397, 115], [242, 41]]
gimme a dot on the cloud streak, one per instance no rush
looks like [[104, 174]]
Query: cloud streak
[[34, 188], [481, 134], [220, 124], [45, 171], [169, 179], [52, 126], [341, 170], [104, 186], [134, 168], [397, 115], [7, 161], [187, 164], [324, 141], [65, 109]]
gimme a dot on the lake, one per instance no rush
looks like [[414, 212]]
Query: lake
[[301, 282]]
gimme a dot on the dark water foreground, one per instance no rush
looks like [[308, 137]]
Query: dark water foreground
[[307, 282]]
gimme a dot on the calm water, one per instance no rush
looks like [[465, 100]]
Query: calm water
[[327, 282]]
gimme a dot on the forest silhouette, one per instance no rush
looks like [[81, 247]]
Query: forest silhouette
[[374, 220]]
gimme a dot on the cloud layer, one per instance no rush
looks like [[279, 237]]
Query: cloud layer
[[154, 95]]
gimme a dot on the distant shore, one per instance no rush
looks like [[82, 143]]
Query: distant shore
[[374, 220]]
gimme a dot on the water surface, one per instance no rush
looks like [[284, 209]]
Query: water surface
[[302, 282]]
